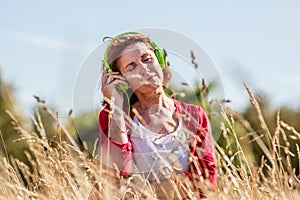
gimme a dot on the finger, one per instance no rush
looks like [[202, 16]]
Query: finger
[[109, 89], [104, 72], [112, 73], [116, 82], [118, 77], [106, 75], [104, 68], [111, 78], [103, 81], [103, 78], [113, 84]]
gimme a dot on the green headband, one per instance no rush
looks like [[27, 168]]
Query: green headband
[[159, 53]]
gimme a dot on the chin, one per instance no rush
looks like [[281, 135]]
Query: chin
[[149, 87]]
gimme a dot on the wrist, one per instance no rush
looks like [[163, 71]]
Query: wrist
[[117, 105], [124, 137]]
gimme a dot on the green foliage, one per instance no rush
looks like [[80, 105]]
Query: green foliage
[[49, 124], [8, 104], [286, 114], [85, 128]]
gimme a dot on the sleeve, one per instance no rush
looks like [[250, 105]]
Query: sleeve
[[112, 152], [206, 156], [203, 148]]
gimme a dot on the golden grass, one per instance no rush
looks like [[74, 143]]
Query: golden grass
[[60, 170]]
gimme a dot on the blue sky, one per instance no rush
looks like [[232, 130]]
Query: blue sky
[[44, 44]]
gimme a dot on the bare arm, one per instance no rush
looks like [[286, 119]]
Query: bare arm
[[117, 129]]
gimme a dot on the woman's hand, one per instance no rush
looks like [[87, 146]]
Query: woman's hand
[[110, 80]]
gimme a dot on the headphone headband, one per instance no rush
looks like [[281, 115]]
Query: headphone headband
[[159, 53]]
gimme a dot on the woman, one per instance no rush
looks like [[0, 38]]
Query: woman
[[150, 133]]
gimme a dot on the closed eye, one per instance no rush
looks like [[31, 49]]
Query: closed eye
[[128, 66], [147, 58], [131, 66]]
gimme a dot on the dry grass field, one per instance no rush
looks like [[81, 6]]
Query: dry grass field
[[60, 170]]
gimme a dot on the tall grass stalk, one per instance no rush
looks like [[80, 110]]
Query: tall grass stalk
[[59, 169]]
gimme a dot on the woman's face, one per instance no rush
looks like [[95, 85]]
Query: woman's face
[[139, 65]]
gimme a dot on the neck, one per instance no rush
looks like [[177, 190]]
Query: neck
[[157, 97]]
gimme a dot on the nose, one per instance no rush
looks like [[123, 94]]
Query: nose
[[144, 68]]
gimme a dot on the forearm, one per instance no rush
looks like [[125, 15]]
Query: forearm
[[118, 131], [115, 146]]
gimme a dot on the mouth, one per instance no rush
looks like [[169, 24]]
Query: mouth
[[151, 78]]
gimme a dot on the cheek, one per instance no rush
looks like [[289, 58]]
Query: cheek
[[136, 80], [133, 80], [157, 69]]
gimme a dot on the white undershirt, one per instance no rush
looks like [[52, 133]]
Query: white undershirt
[[157, 155]]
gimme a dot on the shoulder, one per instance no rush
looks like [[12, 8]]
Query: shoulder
[[185, 108], [193, 116]]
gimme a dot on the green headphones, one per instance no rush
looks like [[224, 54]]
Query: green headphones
[[159, 53]]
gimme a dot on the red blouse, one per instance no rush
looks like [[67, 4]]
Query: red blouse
[[194, 119]]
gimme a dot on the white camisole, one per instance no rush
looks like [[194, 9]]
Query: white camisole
[[156, 155]]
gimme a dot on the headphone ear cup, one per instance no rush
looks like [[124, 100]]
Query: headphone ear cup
[[109, 69], [161, 57], [122, 87]]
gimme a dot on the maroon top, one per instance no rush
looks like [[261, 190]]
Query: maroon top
[[194, 119]]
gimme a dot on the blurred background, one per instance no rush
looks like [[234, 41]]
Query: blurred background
[[43, 46]]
